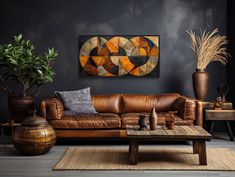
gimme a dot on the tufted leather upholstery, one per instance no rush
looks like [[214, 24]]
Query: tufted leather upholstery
[[117, 111], [102, 120], [132, 119]]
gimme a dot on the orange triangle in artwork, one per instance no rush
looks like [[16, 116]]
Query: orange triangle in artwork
[[108, 74], [83, 60], [112, 44], [97, 60], [136, 71]]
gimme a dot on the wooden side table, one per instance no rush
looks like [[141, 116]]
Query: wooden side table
[[11, 124], [221, 115]]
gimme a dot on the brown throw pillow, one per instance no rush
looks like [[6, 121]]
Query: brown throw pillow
[[54, 109], [185, 108]]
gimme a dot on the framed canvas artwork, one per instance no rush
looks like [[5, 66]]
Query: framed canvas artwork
[[119, 56]]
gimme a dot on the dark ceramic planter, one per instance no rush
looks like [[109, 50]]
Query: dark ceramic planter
[[200, 84], [19, 107]]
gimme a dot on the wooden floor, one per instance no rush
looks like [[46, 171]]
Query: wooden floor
[[14, 164]]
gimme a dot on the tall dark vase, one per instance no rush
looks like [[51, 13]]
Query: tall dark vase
[[19, 107], [200, 84]]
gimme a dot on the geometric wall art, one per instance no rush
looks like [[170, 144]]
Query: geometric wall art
[[113, 55]]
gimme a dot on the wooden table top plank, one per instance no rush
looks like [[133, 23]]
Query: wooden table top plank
[[201, 131], [158, 131], [179, 132]]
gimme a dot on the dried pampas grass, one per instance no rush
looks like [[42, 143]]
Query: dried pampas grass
[[209, 47]]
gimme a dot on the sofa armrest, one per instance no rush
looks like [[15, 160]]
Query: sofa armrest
[[199, 115], [52, 109], [189, 109]]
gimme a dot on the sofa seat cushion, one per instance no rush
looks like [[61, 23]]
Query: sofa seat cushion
[[133, 118], [97, 121]]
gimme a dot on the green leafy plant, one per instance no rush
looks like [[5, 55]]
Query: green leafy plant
[[19, 62]]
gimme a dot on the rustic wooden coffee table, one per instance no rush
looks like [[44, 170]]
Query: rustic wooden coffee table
[[195, 134]]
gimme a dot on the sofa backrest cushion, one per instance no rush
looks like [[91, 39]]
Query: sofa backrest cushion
[[144, 103], [107, 103]]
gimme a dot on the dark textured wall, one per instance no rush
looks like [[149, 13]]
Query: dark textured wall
[[231, 29], [57, 23]]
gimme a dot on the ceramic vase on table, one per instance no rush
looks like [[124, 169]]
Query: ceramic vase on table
[[200, 84], [153, 119]]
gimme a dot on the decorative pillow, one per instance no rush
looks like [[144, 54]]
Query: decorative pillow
[[78, 101], [54, 109], [185, 107]]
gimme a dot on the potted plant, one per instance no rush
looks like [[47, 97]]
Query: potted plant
[[20, 63], [208, 47]]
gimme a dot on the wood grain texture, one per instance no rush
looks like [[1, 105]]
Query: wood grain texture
[[179, 132], [202, 152], [220, 114], [188, 133], [133, 152]]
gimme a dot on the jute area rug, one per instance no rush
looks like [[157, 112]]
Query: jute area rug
[[150, 158]]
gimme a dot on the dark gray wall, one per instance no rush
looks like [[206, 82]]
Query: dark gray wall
[[231, 66], [57, 23]]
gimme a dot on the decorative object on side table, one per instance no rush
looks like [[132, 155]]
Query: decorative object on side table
[[153, 119], [208, 47], [34, 137], [223, 90], [142, 122], [20, 63]]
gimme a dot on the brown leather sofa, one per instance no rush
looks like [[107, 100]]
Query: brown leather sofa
[[117, 111]]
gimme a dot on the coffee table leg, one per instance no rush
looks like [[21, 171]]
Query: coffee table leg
[[133, 151], [195, 147], [202, 152]]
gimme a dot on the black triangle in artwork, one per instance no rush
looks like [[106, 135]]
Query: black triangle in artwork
[[94, 52], [102, 44]]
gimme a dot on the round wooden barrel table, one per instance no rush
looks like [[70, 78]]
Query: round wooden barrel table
[[34, 137]]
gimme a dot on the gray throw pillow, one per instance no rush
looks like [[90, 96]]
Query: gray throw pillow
[[78, 101]]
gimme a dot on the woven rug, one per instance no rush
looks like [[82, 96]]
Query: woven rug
[[150, 158]]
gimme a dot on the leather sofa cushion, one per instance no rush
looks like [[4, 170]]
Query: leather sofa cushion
[[107, 103], [144, 103], [186, 107], [133, 118], [54, 109], [98, 121]]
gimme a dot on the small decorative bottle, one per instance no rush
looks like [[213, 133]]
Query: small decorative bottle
[[153, 119]]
